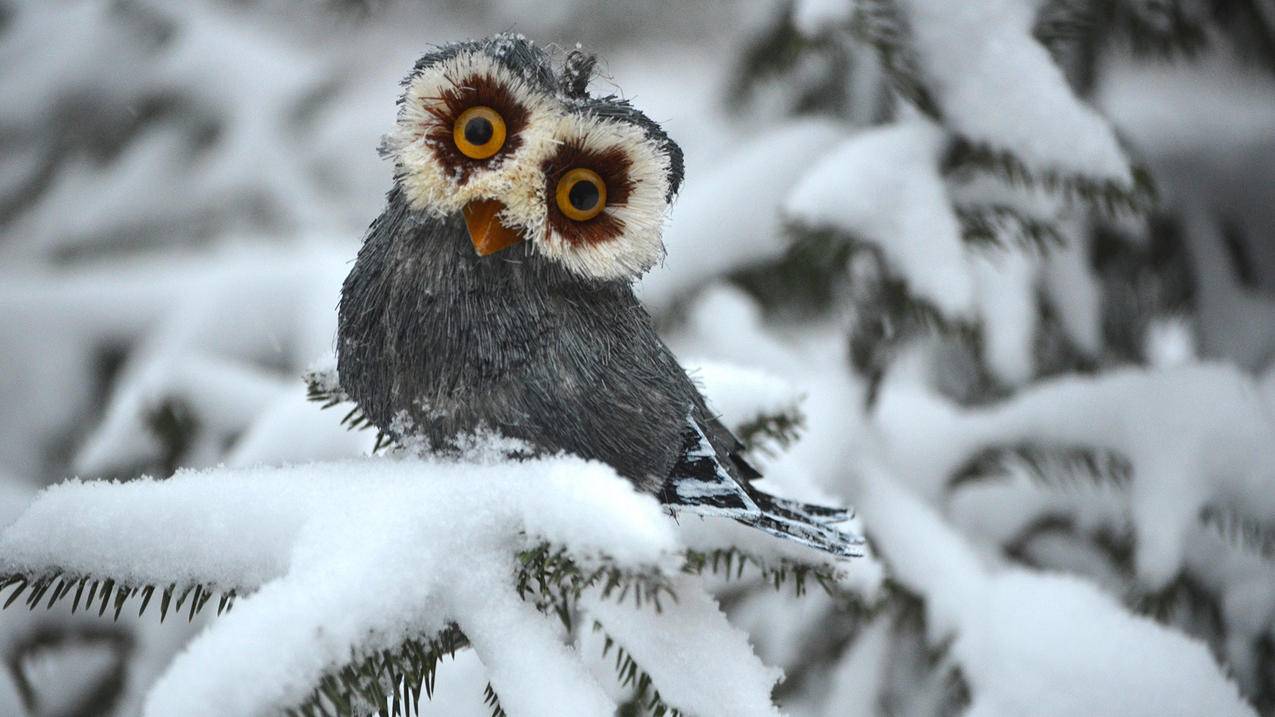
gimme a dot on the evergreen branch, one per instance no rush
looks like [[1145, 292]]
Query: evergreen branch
[[1245, 532], [881, 24], [990, 223], [1105, 195], [770, 433], [555, 581], [816, 67], [1181, 602], [323, 386], [1049, 465], [809, 276], [493, 701], [630, 674], [387, 683], [1149, 30], [730, 563], [108, 594]]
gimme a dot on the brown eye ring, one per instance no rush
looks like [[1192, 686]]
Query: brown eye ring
[[479, 132], [581, 194]]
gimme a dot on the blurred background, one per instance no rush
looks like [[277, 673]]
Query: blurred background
[[184, 185]]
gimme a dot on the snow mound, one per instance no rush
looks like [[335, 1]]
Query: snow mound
[[1040, 643], [1196, 436], [997, 85], [346, 558]]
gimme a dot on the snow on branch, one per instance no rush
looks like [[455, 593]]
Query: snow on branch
[[1039, 643], [1179, 443], [365, 573], [996, 85]]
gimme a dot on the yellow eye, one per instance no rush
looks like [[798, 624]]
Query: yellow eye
[[479, 132], [582, 195]]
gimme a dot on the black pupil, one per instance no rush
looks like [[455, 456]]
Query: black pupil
[[584, 195], [478, 131]]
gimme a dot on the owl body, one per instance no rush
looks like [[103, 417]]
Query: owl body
[[440, 342], [494, 293]]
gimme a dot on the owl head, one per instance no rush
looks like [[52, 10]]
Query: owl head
[[491, 130]]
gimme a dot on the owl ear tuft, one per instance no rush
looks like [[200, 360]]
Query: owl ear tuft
[[577, 69]]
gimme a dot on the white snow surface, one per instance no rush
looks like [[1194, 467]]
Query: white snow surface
[[1197, 435], [704, 241], [1040, 643], [882, 185], [720, 677], [997, 85], [812, 17], [740, 394], [314, 540]]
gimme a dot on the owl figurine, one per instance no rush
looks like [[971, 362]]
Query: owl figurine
[[494, 293]]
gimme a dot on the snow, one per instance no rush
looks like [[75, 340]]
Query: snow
[[812, 17], [1170, 108], [1074, 293], [882, 185], [997, 85], [1040, 643], [718, 676], [262, 155], [308, 545], [212, 329], [703, 241], [1006, 299], [1196, 435], [740, 394]]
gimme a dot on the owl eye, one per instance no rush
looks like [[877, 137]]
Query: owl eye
[[581, 194], [479, 132]]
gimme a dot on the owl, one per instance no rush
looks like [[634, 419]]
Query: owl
[[494, 292]]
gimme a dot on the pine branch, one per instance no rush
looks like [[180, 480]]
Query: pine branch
[[771, 433], [989, 224], [881, 24], [630, 674], [108, 594], [324, 386], [732, 563], [1052, 466], [817, 67], [555, 581], [493, 702], [387, 683], [1242, 531], [1107, 196]]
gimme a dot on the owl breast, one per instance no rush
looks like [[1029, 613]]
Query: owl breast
[[436, 342]]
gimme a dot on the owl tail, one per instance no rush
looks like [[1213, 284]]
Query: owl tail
[[699, 484]]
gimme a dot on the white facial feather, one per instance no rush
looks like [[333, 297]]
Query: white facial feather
[[517, 178], [429, 185], [642, 215]]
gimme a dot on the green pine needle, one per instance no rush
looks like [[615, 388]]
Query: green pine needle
[[106, 594]]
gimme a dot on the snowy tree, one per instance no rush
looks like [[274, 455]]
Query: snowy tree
[[992, 271]]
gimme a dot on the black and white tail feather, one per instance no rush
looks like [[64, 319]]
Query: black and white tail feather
[[712, 479]]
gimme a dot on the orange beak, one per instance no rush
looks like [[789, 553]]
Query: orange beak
[[485, 230]]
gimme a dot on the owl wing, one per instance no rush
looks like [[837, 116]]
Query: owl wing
[[712, 478]]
